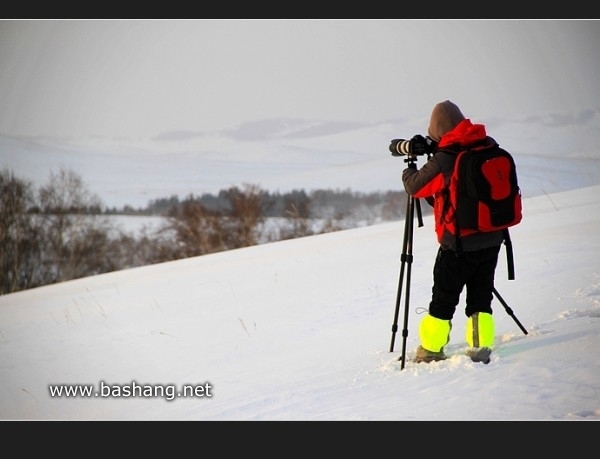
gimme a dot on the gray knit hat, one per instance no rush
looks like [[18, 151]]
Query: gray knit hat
[[444, 117]]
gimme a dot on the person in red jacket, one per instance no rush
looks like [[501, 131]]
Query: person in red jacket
[[474, 265]]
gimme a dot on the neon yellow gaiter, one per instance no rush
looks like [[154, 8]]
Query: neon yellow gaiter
[[434, 333], [480, 330]]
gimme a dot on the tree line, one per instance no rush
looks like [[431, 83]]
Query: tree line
[[336, 204], [61, 231]]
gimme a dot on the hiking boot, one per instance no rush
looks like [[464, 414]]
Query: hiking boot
[[423, 355], [479, 354]]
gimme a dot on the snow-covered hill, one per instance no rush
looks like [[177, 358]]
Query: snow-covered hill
[[301, 330]]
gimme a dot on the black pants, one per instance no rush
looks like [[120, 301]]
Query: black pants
[[453, 271]]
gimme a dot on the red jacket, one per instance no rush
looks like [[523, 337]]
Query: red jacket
[[432, 178]]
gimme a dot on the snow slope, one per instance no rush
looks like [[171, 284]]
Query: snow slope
[[301, 330]]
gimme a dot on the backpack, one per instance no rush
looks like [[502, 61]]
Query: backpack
[[484, 193]]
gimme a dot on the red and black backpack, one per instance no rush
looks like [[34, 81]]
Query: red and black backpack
[[483, 193]]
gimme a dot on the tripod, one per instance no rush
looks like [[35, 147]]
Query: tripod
[[406, 264]]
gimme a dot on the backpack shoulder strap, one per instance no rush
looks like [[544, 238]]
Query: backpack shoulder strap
[[510, 262]]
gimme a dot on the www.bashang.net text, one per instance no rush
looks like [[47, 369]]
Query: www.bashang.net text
[[167, 391]]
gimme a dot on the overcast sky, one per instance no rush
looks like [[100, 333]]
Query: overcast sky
[[141, 78]]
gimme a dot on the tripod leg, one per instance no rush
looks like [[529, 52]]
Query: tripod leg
[[409, 258], [509, 311], [407, 223]]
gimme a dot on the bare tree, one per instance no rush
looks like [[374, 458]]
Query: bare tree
[[76, 236], [196, 230], [19, 243], [246, 215]]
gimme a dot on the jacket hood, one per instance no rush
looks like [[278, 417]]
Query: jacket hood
[[465, 133]]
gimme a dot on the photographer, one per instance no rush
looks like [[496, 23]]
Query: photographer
[[474, 263]]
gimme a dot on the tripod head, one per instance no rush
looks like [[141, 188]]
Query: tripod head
[[411, 161]]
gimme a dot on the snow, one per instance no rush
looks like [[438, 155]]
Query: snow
[[301, 330]]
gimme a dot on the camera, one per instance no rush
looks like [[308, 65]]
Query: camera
[[416, 146]]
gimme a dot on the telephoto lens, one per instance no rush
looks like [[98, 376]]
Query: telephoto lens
[[400, 147]]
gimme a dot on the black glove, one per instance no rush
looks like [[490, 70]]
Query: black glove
[[411, 165]]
